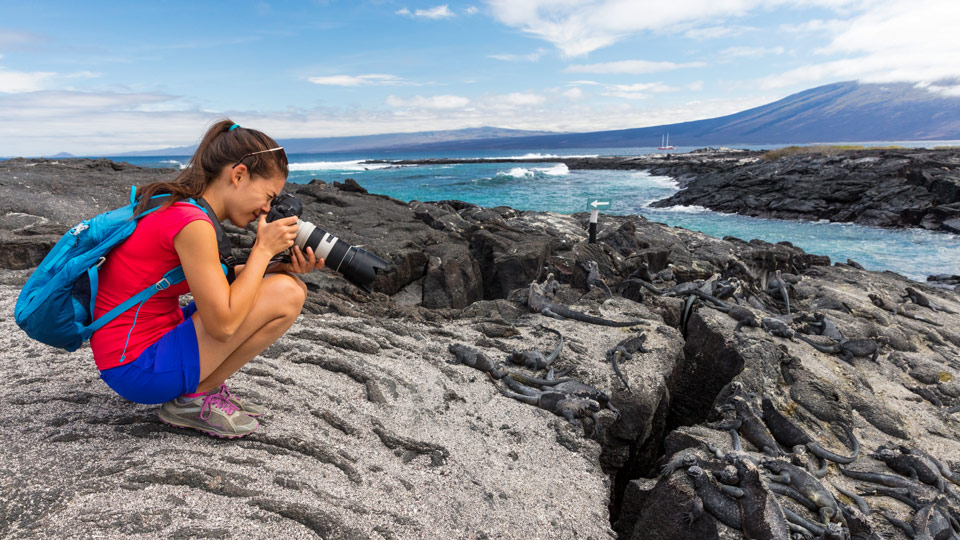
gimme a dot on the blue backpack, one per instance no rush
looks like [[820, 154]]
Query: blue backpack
[[56, 305]]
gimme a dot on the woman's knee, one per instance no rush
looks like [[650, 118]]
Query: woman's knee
[[286, 290]]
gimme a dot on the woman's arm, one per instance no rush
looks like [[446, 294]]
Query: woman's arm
[[223, 306]]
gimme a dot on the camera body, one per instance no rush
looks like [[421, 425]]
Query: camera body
[[357, 265]]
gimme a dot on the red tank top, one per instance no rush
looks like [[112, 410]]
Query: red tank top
[[141, 260]]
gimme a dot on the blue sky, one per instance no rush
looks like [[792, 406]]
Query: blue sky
[[107, 77]]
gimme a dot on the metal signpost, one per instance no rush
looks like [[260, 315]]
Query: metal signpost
[[594, 205]]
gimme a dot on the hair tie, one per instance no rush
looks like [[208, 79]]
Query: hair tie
[[233, 127]]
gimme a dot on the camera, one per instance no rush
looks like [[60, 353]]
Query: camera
[[357, 265]]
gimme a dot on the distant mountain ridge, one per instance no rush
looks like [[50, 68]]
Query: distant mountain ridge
[[840, 112], [371, 142]]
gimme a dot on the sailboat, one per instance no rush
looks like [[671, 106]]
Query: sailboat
[[665, 143]]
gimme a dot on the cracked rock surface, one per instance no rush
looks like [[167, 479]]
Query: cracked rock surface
[[373, 431]]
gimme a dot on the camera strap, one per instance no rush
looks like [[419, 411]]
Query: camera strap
[[224, 245]]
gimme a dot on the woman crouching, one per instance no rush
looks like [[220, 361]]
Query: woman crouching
[[158, 352]]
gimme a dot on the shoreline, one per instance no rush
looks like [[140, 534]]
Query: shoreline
[[888, 188]]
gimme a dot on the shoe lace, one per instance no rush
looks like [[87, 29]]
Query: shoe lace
[[225, 392], [216, 400]]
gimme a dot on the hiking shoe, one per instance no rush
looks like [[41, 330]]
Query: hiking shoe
[[252, 409], [210, 413]]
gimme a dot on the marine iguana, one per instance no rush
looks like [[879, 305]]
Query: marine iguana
[[643, 283], [776, 284], [797, 497], [539, 302], [819, 325], [571, 387], [888, 480], [939, 465], [777, 327], [914, 501], [800, 457], [625, 351], [806, 484], [848, 348], [594, 279], [915, 466], [920, 299], [882, 304], [853, 496], [710, 496], [761, 516], [533, 359], [790, 435], [927, 523], [748, 424], [565, 405], [806, 528], [859, 525], [475, 359]]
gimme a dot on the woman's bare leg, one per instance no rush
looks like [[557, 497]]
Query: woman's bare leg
[[276, 308]]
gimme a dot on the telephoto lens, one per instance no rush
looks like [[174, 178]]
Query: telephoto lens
[[357, 265]]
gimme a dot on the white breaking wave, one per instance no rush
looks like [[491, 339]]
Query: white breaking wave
[[517, 172], [659, 181], [560, 169], [354, 165], [680, 209], [179, 164]]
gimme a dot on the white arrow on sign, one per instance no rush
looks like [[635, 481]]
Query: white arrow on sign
[[599, 203]]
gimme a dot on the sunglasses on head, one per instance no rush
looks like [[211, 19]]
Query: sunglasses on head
[[255, 153]]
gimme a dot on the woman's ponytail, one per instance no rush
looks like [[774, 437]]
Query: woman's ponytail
[[222, 145]]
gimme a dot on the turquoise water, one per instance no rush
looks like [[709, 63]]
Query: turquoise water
[[552, 187]]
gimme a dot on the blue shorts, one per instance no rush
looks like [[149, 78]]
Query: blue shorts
[[168, 368]]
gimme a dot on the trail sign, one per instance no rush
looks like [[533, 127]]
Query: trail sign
[[598, 204]]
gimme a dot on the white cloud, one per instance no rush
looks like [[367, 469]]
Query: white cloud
[[898, 40], [714, 32], [520, 99], [946, 89], [111, 123], [14, 82], [431, 102], [750, 52], [472, 10], [373, 79], [637, 90], [438, 12], [581, 27], [573, 93], [633, 67], [531, 57], [814, 26]]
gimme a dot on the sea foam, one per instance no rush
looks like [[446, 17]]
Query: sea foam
[[560, 169], [658, 181]]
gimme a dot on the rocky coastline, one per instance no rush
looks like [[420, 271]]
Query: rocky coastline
[[422, 410], [901, 188]]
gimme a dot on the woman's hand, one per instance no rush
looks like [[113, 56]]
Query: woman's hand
[[298, 263], [277, 235]]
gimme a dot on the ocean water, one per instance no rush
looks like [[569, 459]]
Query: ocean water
[[552, 187]]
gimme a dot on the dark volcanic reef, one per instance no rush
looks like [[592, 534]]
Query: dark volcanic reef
[[508, 379], [878, 187]]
